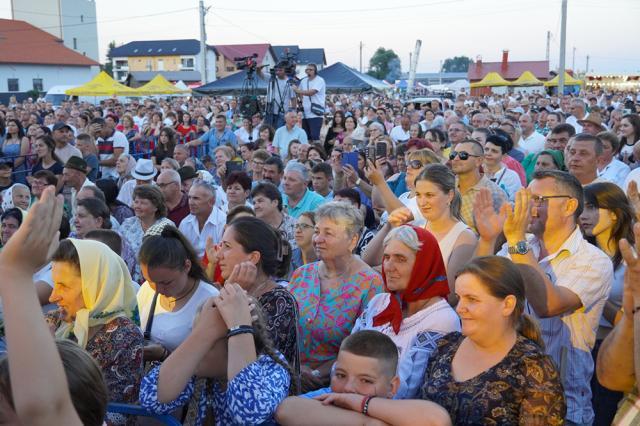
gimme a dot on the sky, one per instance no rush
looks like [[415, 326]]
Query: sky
[[607, 31]]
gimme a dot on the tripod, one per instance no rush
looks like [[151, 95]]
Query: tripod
[[249, 104], [276, 98]]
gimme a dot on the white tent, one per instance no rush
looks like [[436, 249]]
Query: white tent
[[438, 87], [180, 85], [459, 84]]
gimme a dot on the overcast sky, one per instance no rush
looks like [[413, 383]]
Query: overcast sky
[[607, 31]]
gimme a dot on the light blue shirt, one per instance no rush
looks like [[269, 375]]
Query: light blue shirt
[[309, 202], [283, 138], [213, 140]]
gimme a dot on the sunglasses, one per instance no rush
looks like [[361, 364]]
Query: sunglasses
[[415, 164], [462, 154]]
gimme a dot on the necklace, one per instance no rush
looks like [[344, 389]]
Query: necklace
[[195, 283]]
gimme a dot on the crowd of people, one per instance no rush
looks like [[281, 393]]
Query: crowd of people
[[465, 261]]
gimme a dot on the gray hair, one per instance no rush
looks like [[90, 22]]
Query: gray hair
[[171, 162], [295, 166], [406, 235], [182, 147], [199, 183], [342, 213], [377, 125], [174, 175]]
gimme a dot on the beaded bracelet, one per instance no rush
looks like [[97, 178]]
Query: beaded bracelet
[[365, 404], [240, 329]]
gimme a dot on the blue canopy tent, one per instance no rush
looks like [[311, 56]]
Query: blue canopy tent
[[232, 85], [338, 77]]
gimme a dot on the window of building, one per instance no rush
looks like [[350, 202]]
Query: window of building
[[187, 63], [231, 69], [149, 65], [75, 43], [13, 85], [37, 85]]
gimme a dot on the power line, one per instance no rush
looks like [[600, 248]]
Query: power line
[[103, 21], [379, 9]]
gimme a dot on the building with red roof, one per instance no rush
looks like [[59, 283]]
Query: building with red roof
[[509, 70], [33, 59], [226, 63]]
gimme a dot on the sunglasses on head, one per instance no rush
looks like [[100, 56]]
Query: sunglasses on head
[[462, 154]]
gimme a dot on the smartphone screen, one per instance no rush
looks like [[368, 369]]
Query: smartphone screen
[[232, 166], [381, 149], [350, 158]]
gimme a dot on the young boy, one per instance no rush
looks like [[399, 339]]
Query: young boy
[[6, 173], [87, 147], [363, 381]]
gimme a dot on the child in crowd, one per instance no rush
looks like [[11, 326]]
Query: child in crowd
[[363, 380], [6, 174]]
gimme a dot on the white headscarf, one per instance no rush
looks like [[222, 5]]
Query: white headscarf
[[7, 197], [106, 290]]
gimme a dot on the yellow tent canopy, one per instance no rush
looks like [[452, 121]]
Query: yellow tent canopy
[[490, 80], [527, 79], [568, 81], [160, 86], [102, 85]]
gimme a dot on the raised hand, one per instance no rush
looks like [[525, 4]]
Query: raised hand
[[374, 174], [488, 223], [233, 305], [632, 274], [634, 196], [518, 219], [244, 274], [32, 244], [400, 217]]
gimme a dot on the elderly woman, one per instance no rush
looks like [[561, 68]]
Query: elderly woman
[[332, 292], [150, 218], [93, 290], [124, 166], [414, 311], [18, 196]]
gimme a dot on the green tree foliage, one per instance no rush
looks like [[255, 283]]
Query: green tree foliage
[[456, 64], [108, 66], [384, 64]]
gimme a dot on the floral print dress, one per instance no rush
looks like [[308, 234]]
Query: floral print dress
[[523, 388], [327, 317]]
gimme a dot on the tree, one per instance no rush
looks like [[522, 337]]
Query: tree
[[108, 65], [384, 64], [456, 64]]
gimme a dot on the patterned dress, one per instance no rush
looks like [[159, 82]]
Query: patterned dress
[[281, 317], [523, 388], [327, 317], [251, 397]]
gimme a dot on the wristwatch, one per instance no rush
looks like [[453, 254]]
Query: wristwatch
[[358, 181], [521, 247]]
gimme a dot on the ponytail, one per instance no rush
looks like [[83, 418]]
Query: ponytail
[[528, 327]]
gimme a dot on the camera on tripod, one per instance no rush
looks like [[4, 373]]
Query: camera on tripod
[[288, 63], [247, 62]]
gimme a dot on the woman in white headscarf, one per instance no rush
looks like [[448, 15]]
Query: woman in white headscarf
[[18, 196], [92, 287]]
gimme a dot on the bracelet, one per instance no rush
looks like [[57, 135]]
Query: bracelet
[[364, 409], [635, 310], [240, 329]]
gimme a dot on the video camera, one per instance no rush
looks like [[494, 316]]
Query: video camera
[[247, 62], [288, 63]]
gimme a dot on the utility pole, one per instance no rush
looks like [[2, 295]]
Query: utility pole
[[202, 11], [413, 66], [563, 47], [548, 44], [440, 73], [586, 70], [360, 57], [573, 61]]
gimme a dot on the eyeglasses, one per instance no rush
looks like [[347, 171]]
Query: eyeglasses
[[302, 226], [462, 154], [164, 185], [539, 199], [416, 164], [258, 163]]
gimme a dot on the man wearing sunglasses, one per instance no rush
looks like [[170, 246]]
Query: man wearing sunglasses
[[466, 159], [567, 280]]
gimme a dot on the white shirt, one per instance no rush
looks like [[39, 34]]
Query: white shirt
[[126, 192], [616, 172], [67, 152], [635, 176], [119, 140], [319, 98], [243, 135], [171, 328], [416, 339], [569, 338], [74, 193], [574, 122], [412, 204], [213, 227], [532, 144], [506, 179], [399, 135]]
